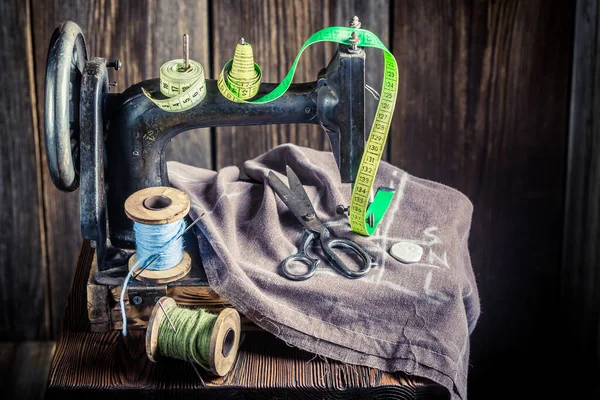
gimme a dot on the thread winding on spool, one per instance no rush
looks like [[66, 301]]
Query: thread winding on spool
[[209, 340], [161, 240], [157, 214], [241, 76]]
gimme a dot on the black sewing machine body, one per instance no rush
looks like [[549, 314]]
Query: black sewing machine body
[[112, 144]]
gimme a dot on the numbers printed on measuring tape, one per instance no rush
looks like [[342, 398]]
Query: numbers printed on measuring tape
[[362, 189], [374, 150], [367, 170]]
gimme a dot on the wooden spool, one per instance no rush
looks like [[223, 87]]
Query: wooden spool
[[158, 206], [224, 340]]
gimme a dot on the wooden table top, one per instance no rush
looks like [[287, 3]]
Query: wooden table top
[[97, 365]]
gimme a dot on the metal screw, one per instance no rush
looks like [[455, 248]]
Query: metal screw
[[307, 110], [308, 217], [355, 23], [137, 300], [113, 84], [116, 64], [341, 210], [136, 153], [156, 299], [354, 41]]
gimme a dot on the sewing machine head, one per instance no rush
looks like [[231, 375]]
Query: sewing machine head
[[112, 144]]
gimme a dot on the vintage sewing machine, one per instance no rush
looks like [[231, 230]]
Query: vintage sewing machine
[[112, 145]]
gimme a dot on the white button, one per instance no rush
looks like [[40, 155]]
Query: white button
[[406, 252]]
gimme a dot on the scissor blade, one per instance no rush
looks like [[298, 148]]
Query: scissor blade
[[298, 189], [296, 206]]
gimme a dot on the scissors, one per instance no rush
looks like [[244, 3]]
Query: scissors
[[296, 199]]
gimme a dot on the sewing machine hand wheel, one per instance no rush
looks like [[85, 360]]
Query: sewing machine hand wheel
[[66, 59]]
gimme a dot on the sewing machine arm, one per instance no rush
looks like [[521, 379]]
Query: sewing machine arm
[[122, 137]]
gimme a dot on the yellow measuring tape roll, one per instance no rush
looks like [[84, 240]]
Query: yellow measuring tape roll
[[240, 78], [183, 88]]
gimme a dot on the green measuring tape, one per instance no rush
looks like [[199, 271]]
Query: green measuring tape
[[184, 88], [364, 216]]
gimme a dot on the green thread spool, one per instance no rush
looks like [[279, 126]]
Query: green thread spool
[[209, 340]]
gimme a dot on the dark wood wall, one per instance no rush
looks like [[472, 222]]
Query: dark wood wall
[[580, 273], [483, 106]]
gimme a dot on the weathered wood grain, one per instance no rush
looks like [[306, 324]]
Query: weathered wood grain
[[277, 29], [483, 107], [24, 311], [143, 35], [30, 370], [91, 364], [24, 369], [580, 275], [7, 359]]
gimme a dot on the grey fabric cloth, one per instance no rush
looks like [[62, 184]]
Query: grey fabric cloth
[[415, 318]]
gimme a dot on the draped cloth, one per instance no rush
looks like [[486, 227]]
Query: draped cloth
[[415, 318]]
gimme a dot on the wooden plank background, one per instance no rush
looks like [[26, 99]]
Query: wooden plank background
[[24, 289], [483, 106], [580, 275]]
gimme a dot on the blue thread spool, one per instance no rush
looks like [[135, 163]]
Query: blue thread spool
[[157, 214]]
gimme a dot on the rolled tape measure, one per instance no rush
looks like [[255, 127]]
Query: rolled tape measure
[[364, 216], [183, 88], [240, 78]]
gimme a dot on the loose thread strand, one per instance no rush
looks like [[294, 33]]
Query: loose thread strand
[[161, 245]]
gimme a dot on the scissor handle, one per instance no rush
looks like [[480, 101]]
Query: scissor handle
[[330, 244], [303, 257]]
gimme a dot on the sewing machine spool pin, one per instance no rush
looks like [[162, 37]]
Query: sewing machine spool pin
[[130, 133], [186, 52]]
